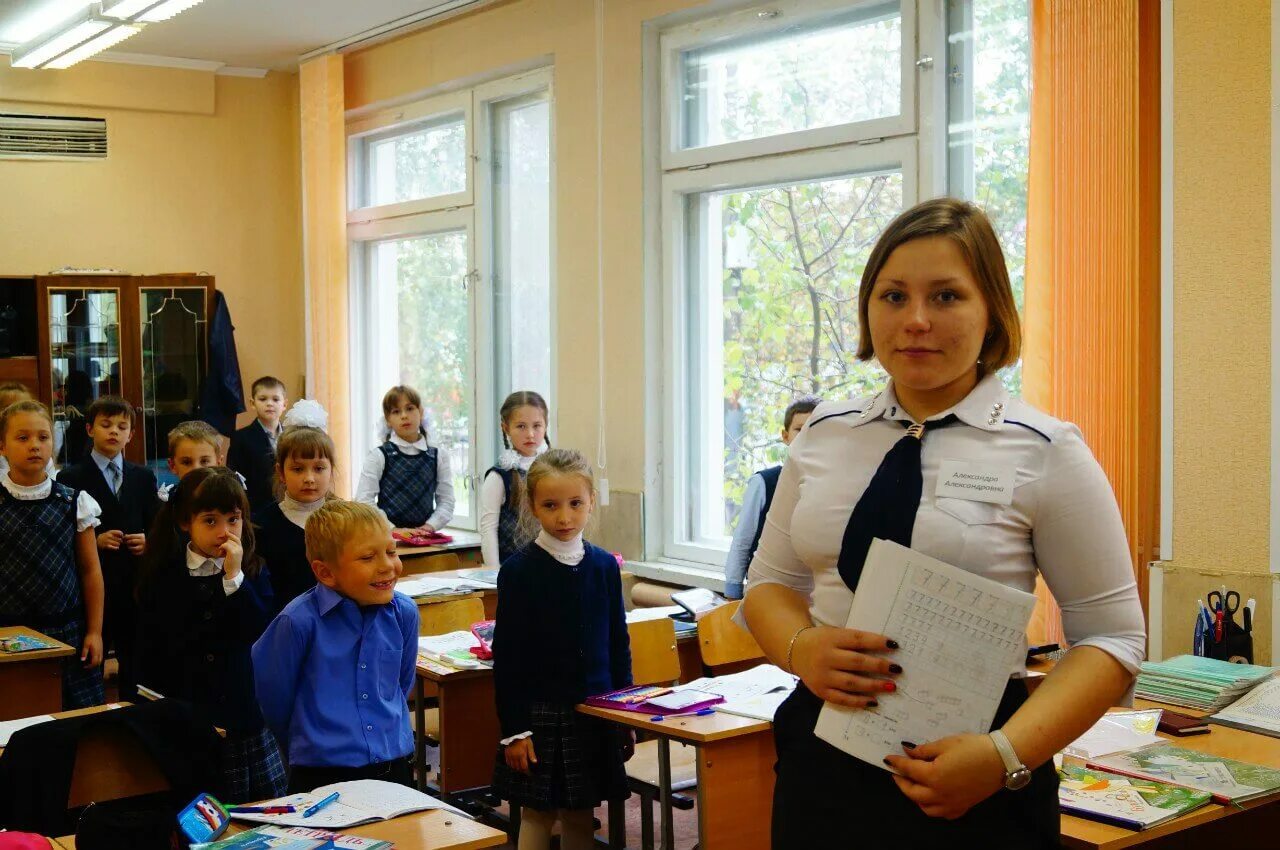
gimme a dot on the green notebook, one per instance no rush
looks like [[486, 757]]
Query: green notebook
[[1135, 804], [1228, 780]]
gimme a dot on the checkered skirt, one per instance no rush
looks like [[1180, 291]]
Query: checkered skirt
[[81, 688], [251, 767], [579, 763]]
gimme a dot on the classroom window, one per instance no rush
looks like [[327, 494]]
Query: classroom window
[[451, 281], [989, 125], [792, 134]]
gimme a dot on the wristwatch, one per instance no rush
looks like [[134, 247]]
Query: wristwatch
[[1016, 774]]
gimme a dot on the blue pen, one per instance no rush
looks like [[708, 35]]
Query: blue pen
[[320, 805], [702, 712]]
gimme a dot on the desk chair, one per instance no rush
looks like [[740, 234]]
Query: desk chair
[[655, 660], [725, 646]]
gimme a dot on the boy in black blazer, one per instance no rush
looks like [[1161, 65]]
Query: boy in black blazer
[[253, 447], [126, 492]]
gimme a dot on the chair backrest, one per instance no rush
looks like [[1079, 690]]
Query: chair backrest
[[112, 764], [438, 563], [453, 615], [723, 642], [654, 658]]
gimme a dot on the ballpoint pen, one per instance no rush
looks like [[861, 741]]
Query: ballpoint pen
[[320, 805], [702, 712]]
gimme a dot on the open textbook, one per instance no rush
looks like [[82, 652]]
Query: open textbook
[[962, 636], [361, 801]]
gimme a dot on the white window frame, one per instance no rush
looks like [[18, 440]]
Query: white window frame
[[914, 142], [895, 154], [471, 211], [746, 23]]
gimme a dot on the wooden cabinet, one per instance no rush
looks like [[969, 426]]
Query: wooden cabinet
[[143, 337]]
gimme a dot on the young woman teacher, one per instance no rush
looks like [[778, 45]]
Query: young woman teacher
[[936, 309]]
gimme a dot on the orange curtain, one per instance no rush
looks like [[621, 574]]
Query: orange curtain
[[324, 204], [1092, 353]]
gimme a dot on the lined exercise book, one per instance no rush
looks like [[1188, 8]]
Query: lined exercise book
[[961, 637]]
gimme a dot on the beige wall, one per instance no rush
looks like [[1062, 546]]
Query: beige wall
[[1222, 311], [202, 175]]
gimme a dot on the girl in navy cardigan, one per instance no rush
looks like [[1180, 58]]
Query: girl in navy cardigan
[[305, 457], [204, 597], [561, 637]]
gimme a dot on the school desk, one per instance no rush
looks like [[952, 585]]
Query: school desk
[[490, 593], [430, 830], [468, 726], [735, 775], [464, 550], [1209, 826], [31, 681]]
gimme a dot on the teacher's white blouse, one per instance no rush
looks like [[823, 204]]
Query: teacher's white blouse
[[1063, 519]]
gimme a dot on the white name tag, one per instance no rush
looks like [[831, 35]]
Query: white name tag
[[976, 482]]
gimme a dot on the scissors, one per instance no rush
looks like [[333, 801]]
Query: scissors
[[1223, 606], [1228, 604]]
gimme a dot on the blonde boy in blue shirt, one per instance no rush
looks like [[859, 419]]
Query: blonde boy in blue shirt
[[333, 671]]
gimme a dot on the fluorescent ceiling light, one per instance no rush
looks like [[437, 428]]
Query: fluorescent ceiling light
[[125, 9], [95, 45], [166, 10], [40, 51]]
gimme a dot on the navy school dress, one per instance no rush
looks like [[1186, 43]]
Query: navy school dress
[[407, 490], [508, 517], [40, 584], [561, 637], [283, 545], [194, 644]]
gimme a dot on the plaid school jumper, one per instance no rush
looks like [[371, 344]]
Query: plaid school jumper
[[407, 491], [40, 585]]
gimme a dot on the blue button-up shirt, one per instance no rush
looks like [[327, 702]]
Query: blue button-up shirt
[[333, 678], [103, 462]]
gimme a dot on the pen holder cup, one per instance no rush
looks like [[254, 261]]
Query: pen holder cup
[[1236, 645]]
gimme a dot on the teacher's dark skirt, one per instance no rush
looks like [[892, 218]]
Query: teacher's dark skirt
[[579, 763], [825, 798]]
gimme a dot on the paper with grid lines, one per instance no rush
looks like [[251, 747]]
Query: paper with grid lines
[[960, 636]]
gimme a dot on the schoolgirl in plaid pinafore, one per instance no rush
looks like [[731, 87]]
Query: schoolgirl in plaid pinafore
[[40, 584], [407, 491]]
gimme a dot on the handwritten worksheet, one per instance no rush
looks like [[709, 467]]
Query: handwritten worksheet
[[961, 636]]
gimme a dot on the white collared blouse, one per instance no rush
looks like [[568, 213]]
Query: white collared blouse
[[1063, 520]]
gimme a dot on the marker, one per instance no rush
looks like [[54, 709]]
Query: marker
[[702, 712], [320, 805]]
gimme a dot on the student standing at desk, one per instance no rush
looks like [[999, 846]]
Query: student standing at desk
[[937, 311]]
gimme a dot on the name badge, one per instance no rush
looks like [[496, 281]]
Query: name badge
[[976, 482]]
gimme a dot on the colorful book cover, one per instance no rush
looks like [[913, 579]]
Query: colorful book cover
[[1228, 780], [1130, 803], [265, 838], [340, 841], [24, 643]]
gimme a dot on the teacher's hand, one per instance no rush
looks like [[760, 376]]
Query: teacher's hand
[[948, 777], [835, 667]]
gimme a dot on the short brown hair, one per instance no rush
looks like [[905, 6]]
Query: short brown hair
[[267, 381], [332, 524], [197, 432], [970, 229], [803, 404], [303, 442], [109, 405]]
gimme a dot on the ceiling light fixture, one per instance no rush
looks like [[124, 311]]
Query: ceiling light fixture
[[147, 11], [85, 34], [95, 45]]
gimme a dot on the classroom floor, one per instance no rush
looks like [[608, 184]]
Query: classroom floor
[[686, 823]]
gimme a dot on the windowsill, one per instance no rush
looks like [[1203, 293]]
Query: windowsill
[[679, 572]]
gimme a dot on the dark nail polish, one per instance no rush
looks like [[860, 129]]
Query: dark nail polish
[[895, 669], [886, 761], [889, 686], [873, 704], [908, 745], [892, 644]]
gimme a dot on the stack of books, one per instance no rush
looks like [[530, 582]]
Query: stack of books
[[1195, 682]]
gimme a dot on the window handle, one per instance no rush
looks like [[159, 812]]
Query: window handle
[[924, 62]]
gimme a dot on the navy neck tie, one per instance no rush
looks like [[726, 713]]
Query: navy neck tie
[[888, 507]]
